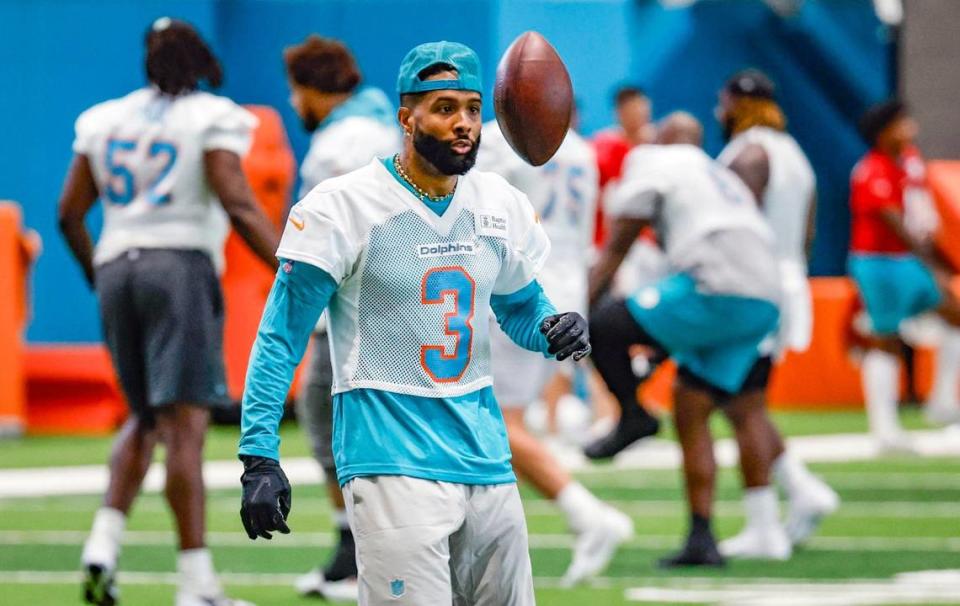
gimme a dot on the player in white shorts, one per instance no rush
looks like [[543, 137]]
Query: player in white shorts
[[778, 173], [413, 254], [165, 162], [563, 193], [351, 124]]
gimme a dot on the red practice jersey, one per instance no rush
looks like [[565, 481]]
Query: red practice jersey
[[878, 182], [611, 147]]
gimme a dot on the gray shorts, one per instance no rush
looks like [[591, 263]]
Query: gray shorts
[[421, 542], [315, 404], [162, 314]]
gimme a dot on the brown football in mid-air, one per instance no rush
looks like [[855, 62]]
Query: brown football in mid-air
[[533, 98]]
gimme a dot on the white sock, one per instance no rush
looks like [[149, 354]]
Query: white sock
[[197, 576], [944, 392], [761, 507], [340, 519], [790, 474], [103, 544], [880, 373], [578, 505]]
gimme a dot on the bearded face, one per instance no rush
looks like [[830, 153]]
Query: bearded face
[[454, 157]]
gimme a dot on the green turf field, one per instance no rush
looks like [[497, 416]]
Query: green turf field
[[899, 515]]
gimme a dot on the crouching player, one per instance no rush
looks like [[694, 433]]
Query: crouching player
[[711, 314]]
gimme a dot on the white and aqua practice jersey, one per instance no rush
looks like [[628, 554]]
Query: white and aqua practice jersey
[[412, 283], [146, 152], [411, 288], [790, 188], [358, 130], [564, 194], [706, 219]]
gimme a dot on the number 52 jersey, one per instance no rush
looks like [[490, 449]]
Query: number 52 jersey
[[411, 312], [146, 153]]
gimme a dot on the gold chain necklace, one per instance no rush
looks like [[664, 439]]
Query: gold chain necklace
[[420, 193]]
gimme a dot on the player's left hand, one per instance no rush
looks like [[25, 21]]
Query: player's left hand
[[265, 503], [567, 335]]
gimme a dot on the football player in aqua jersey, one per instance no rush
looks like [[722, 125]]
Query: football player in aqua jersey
[[412, 254], [165, 162]]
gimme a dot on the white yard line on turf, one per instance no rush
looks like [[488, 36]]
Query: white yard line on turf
[[544, 541], [852, 480], [928, 587], [318, 507], [848, 509], [649, 454], [931, 587]]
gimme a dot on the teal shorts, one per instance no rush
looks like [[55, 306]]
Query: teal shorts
[[714, 337], [893, 288]]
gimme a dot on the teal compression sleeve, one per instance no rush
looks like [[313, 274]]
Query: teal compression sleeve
[[520, 314], [299, 295]]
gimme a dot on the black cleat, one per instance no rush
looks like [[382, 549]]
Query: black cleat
[[627, 431], [99, 587], [343, 564], [698, 551]]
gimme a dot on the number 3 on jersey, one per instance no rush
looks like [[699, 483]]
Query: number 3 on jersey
[[438, 282]]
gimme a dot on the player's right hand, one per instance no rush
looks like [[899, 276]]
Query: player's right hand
[[266, 498]]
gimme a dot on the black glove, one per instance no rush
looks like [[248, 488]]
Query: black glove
[[567, 335], [266, 497]]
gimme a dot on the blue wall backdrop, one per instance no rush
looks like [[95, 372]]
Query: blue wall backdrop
[[58, 57]]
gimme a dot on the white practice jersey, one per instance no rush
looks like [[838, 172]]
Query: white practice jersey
[[564, 194], [790, 187], [705, 217], [786, 205], [347, 140], [346, 145], [686, 194], [146, 151], [411, 311]]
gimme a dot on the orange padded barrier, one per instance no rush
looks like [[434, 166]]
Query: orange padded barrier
[[72, 390], [270, 168], [17, 251], [944, 179]]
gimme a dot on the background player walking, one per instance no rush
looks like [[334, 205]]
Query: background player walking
[[165, 161]]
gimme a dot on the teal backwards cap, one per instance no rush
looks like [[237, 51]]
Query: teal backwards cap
[[460, 56]]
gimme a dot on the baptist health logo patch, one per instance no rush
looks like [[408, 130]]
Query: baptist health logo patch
[[397, 588], [446, 249], [491, 223]]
